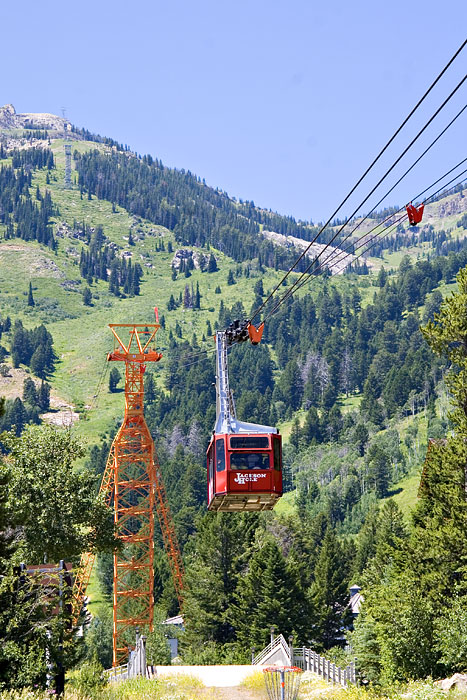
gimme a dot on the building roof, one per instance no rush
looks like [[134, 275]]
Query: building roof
[[356, 599], [177, 620]]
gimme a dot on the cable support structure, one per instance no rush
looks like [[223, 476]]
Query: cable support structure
[[301, 256], [334, 258]]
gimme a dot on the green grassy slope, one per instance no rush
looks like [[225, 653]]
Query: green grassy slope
[[81, 336]]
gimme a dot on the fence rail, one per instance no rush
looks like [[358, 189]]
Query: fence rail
[[136, 665], [276, 644], [117, 673], [308, 660]]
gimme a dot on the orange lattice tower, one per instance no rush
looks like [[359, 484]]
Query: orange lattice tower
[[133, 481]]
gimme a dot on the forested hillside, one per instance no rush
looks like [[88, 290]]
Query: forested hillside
[[343, 370]]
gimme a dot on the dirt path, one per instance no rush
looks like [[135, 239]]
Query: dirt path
[[232, 693]]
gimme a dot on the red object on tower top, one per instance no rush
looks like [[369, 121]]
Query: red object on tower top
[[415, 214]]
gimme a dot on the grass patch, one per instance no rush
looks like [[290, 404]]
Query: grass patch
[[95, 594], [167, 688], [286, 504], [404, 493]]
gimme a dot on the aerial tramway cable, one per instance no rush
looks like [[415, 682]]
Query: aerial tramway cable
[[391, 189], [340, 229], [396, 223], [355, 245], [379, 235], [334, 257], [301, 256], [361, 203]]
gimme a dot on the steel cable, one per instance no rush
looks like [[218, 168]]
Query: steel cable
[[334, 257], [300, 257], [458, 86], [381, 234]]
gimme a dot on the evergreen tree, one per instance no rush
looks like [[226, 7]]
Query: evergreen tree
[[38, 362], [187, 301], [114, 282], [269, 594], [379, 470], [18, 416], [197, 298], [44, 396], [149, 388], [295, 433], [212, 264], [311, 431], [361, 436], [220, 554], [114, 378], [87, 296], [329, 591], [30, 296], [29, 392], [230, 278]]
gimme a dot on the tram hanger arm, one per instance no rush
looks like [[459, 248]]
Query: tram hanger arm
[[255, 333], [241, 331]]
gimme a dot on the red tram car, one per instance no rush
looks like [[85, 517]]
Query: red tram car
[[244, 471]]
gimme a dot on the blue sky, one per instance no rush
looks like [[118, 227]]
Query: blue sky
[[284, 103]]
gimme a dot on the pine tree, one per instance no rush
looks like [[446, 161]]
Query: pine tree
[[270, 594], [379, 470], [311, 431], [220, 553], [230, 278], [360, 435], [295, 433], [38, 362], [114, 378], [87, 296], [18, 416], [30, 296], [187, 301], [212, 264], [197, 299], [29, 392], [114, 283], [329, 591], [149, 388], [44, 396]]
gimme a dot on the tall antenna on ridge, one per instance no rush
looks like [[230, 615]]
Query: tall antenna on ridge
[[67, 156]]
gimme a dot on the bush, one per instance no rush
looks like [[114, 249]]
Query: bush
[[88, 680]]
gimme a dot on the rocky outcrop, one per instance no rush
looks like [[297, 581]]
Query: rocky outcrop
[[338, 259], [9, 119], [454, 205], [200, 261], [457, 682]]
